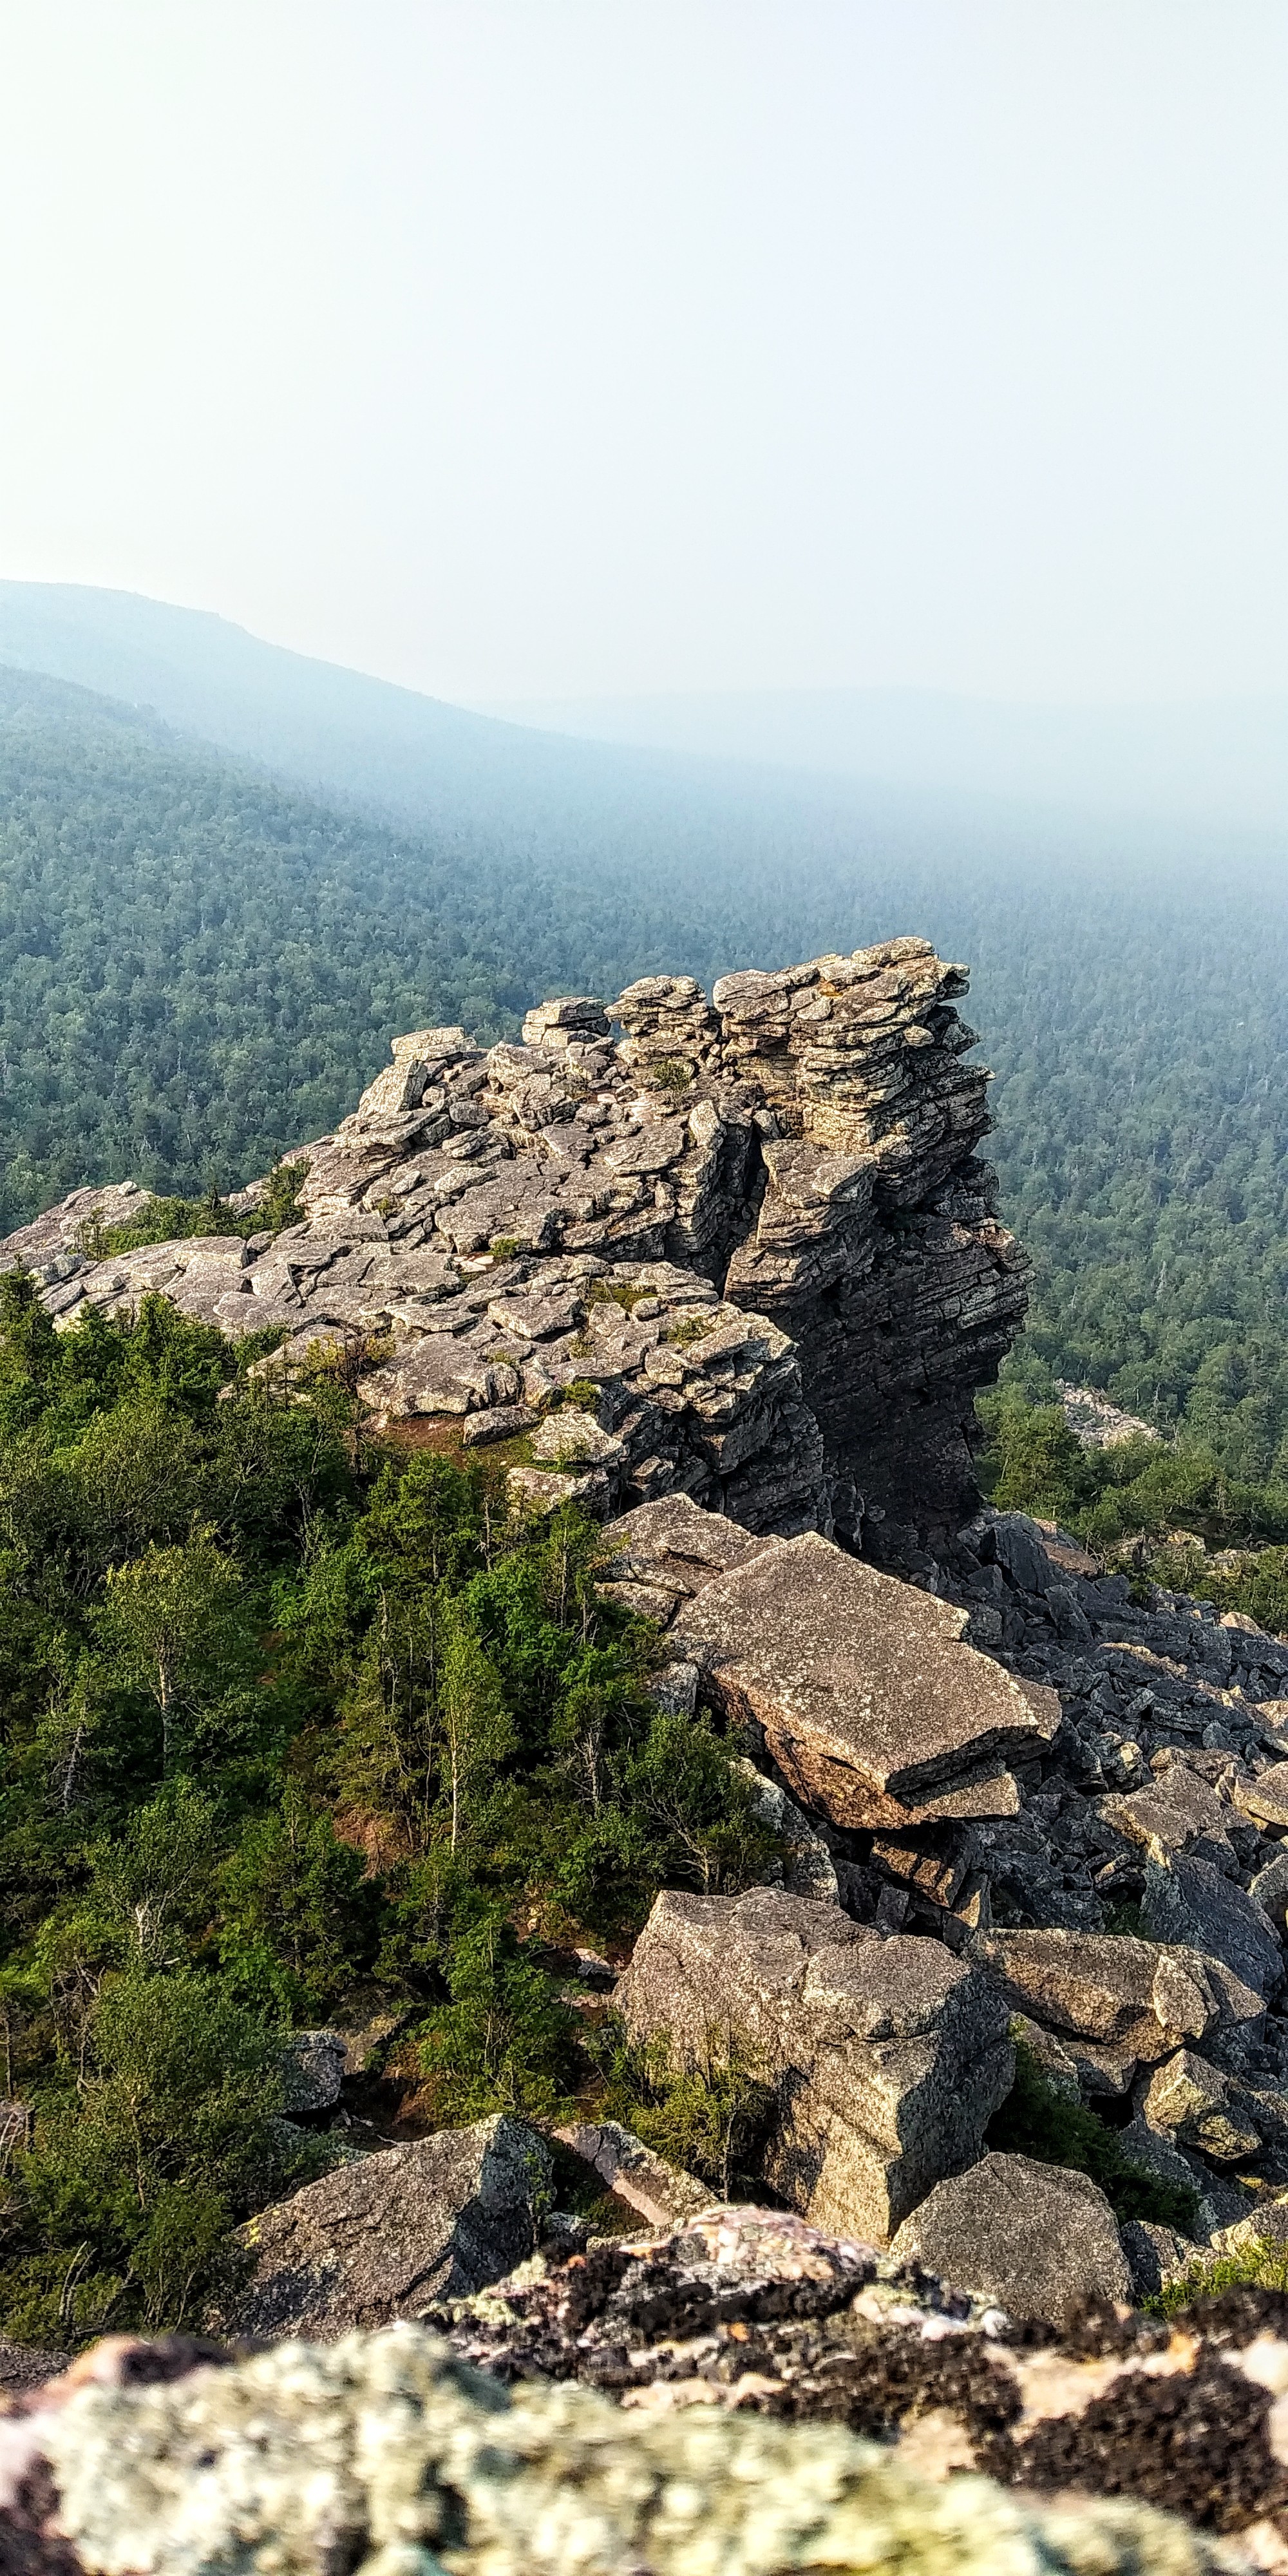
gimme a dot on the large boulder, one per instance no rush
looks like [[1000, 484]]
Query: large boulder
[[1036, 2238], [1117, 2002], [873, 1705], [1191, 1901], [386, 2237], [886, 2056]]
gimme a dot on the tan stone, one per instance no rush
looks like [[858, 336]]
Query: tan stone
[[866, 1688], [1265, 1799]]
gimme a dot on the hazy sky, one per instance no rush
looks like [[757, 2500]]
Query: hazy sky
[[537, 347]]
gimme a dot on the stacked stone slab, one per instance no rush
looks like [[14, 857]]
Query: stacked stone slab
[[758, 1228]]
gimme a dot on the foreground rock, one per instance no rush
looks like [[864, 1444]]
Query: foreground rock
[[385, 2454], [886, 2057], [1037, 2239], [386, 2237]]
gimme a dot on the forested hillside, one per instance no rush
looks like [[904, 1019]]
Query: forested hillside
[[202, 966]]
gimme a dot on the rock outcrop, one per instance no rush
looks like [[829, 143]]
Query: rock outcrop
[[731, 1281], [749, 1250]]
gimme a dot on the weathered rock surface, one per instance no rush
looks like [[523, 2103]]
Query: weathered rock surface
[[872, 1704], [887, 2056], [663, 2193], [313, 2068], [1192, 1901], [1037, 2239], [770, 2381], [385, 2237], [1118, 2002]]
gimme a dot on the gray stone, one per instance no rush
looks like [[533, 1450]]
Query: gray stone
[[886, 2056], [386, 2237], [1190, 1901], [1036, 2238], [808, 1868], [313, 2066], [1156, 2256], [1269, 1890], [661, 2192], [1014, 1541], [1130, 1997], [814, 1130], [1196, 2104], [1178, 1812], [1266, 1798]]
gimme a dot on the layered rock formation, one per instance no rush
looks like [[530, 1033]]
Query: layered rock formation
[[749, 1251]]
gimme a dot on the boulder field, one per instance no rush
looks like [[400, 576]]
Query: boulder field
[[731, 1281]]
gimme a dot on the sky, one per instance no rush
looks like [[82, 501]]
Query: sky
[[539, 348]]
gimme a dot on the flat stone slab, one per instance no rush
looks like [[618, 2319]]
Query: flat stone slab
[[873, 1705], [677, 1548], [662, 2193]]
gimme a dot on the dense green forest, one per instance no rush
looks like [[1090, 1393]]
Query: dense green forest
[[286, 1713], [202, 966]]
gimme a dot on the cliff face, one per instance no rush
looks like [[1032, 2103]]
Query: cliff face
[[748, 1252]]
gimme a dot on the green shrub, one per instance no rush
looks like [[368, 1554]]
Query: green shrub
[[1256, 2266], [709, 2118], [283, 1711], [688, 1329], [164, 1220], [1036, 2120]]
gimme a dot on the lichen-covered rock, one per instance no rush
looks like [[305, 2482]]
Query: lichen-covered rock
[[385, 2237], [887, 2057], [388, 2456]]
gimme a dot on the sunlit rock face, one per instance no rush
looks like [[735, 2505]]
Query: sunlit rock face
[[747, 1251]]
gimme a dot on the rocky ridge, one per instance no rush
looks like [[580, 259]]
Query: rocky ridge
[[731, 1282], [749, 1250]]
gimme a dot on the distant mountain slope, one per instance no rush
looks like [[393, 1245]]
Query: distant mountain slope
[[335, 731], [1223, 762], [556, 767]]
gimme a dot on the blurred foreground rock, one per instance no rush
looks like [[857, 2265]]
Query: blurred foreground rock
[[388, 2456]]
